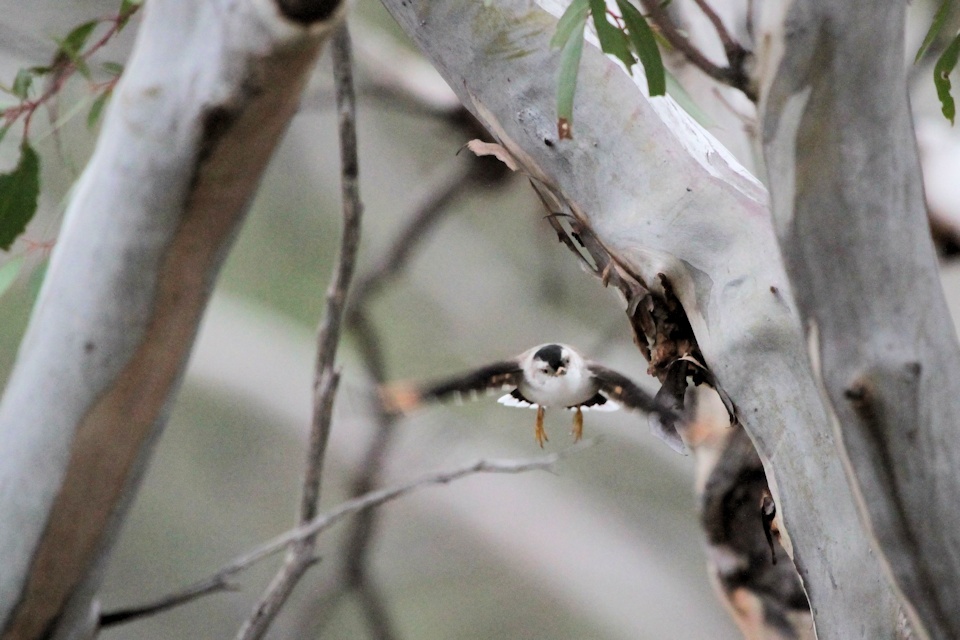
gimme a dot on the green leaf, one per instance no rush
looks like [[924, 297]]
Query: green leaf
[[567, 81], [641, 35], [96, 109], [612, 39], [572, 18], [127, 9], [941, 78], [4, 129], [73, 44], [9, 273], [113, 68], [939, 19], [18, 195], [22, 84]]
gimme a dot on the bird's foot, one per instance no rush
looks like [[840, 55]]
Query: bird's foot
[[577, 425], [540, 434]]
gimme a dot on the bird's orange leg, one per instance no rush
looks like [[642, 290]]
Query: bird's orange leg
[[540, 434], [577, 425]]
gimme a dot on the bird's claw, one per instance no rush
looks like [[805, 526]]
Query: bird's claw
[[577, 425], [540, 434]]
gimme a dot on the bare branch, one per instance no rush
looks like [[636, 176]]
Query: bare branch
[[427, 214], [326, 378], [214, 584], [316, 526], [734, 50], [733, 75]]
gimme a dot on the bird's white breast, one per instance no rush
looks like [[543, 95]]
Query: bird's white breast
[[559, 391]]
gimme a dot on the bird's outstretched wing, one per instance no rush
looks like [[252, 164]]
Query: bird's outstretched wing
[[622, 390], [499, 376]]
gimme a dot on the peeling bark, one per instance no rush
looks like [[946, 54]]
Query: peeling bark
[[208, 91]]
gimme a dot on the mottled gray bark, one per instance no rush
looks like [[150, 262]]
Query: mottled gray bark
[[669, 205], [207, 93], [848, 198]]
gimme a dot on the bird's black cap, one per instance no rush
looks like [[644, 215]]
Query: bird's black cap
[[550, 353]]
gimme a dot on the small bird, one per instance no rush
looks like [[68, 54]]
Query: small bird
[[550, 375]]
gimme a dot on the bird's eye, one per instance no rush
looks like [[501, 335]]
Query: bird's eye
[[545, 369]]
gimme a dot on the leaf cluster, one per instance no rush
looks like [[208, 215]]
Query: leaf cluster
[[19, 188], [628, 37]]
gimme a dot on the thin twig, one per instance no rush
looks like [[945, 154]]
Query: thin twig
[[375, 610], [427, 215], [62, 68], [324, 521], [326, 378], [730, 44], [215, 584], [733, 75]]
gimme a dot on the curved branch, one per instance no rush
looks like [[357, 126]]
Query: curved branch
[[326, 378], [311, 529]]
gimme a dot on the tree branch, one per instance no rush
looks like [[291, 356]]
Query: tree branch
[[312, 529], [326, 377], [214, 584], [733, 74], [427, 215], [848, 196], [147, 229], [734, 50]]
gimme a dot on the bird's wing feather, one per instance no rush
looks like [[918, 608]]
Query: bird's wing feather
[[516, 399], [598, 402], [402, 397], [493, 377], [621, 389]]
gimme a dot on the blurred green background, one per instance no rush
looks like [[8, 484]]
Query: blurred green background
[[609, 548]]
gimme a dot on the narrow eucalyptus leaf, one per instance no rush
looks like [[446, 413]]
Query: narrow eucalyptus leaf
[[939, 19], [567, 81], [127, 9], [612, 39], [113, 68], [941, 78], [22, 84], [66, 51], [574, 16], [96, 109], [18, 195], [645, 44], [74, 42]]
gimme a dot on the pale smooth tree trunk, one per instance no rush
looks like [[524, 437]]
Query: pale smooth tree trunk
[[676, 216], [848, 201], [207, 93]]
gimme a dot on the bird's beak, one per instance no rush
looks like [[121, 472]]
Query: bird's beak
[[561, 371]]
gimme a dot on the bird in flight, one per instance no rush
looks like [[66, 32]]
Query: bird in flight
[[550, 375]]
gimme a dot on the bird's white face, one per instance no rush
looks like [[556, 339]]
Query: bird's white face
[[556, 375]]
